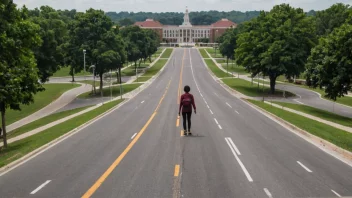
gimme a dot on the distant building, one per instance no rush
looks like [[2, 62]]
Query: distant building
[[188, 33]]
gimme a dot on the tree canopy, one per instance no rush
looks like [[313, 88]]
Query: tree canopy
[[18, 71], [276, 43], [330, 63]]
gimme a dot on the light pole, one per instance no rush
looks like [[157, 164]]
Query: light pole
[[110, 85], [93, 66], [84, 59], [216, 33]]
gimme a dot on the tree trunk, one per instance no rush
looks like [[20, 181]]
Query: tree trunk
[[101, 83], [73, 74], [2, 109], [120, 80], [117, 76], [272, 84]]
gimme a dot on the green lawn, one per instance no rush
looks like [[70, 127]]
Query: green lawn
[[336, 136], [131, 71], [212, 53], [319, 113], [159, 50], [167, 53], [155, 68], [91, 82], [41, 99], [222, 60], [215, 69], [142, 79], [235, 69], [115, 91], [65, 71], [246, 88], [43, 121], [22, 147], [203, 53]]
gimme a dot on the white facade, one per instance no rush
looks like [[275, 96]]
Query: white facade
[[185, 33]]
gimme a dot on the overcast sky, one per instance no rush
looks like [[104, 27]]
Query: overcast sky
[[178, 5]]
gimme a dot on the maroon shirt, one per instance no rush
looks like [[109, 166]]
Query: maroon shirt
[[187, 96]]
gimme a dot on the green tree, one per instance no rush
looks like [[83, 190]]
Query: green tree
[[276, 43], [18, 71], [228, 44], [330, 63], [125, 22], [331, 18], [53, 32]]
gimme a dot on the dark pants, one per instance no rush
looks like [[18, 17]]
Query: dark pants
[[186, 117]]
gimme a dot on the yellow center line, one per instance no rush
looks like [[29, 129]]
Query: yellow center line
[[181, 133], [102, 178], [177, 170], [178, 121]]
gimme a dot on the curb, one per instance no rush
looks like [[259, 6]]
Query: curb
[[330, 148], [54, 142]]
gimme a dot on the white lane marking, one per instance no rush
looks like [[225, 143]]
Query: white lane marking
[[219, 126], [240, 162], [205, 102], [229, 105], [237, 112], [211, 111], [337, 194], [298, 101], [216, 121], [208, 106], [40, 187], [234, 146], [267, 192], [133, 136], [142, 102], [216, 94], [307, 169]]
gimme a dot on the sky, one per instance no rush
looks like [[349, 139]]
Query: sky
[[178, 5]]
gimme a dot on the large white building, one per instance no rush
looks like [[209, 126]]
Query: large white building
[[187, 33]]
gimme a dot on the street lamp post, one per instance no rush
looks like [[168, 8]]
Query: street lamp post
[[216, 33], [93, 66], [84, 59]]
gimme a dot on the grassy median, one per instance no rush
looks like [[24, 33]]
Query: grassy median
[[43, 121], [143, 78], [203, 53], [41, 99], [22, 147], [234, 68], [246, 88], [319, 113], [115, 91], [65, 71], [336, 136], [155, 68], [215, 69], [167, 53]]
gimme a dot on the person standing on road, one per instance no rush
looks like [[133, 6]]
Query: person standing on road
[[186, 103]]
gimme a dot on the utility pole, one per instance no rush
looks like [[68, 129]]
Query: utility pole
[[84, 59]]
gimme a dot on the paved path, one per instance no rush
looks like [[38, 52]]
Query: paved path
[[62, 101], [306, 97], [235, 150]]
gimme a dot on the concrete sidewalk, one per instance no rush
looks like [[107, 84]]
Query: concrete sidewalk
[[62, 101]]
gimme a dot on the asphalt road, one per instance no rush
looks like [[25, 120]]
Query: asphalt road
[[138, 150], [313, 99]]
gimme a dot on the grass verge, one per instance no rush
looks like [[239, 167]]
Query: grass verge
[[22, 147], [319, 113], [167, 53], [91, 82], [336, 136], [246, 88], [235, 69], [41, 99], [142, 78], [203, 53], [65, 71], [215, 69], [43, 121], [155, 68], [115, 91]]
